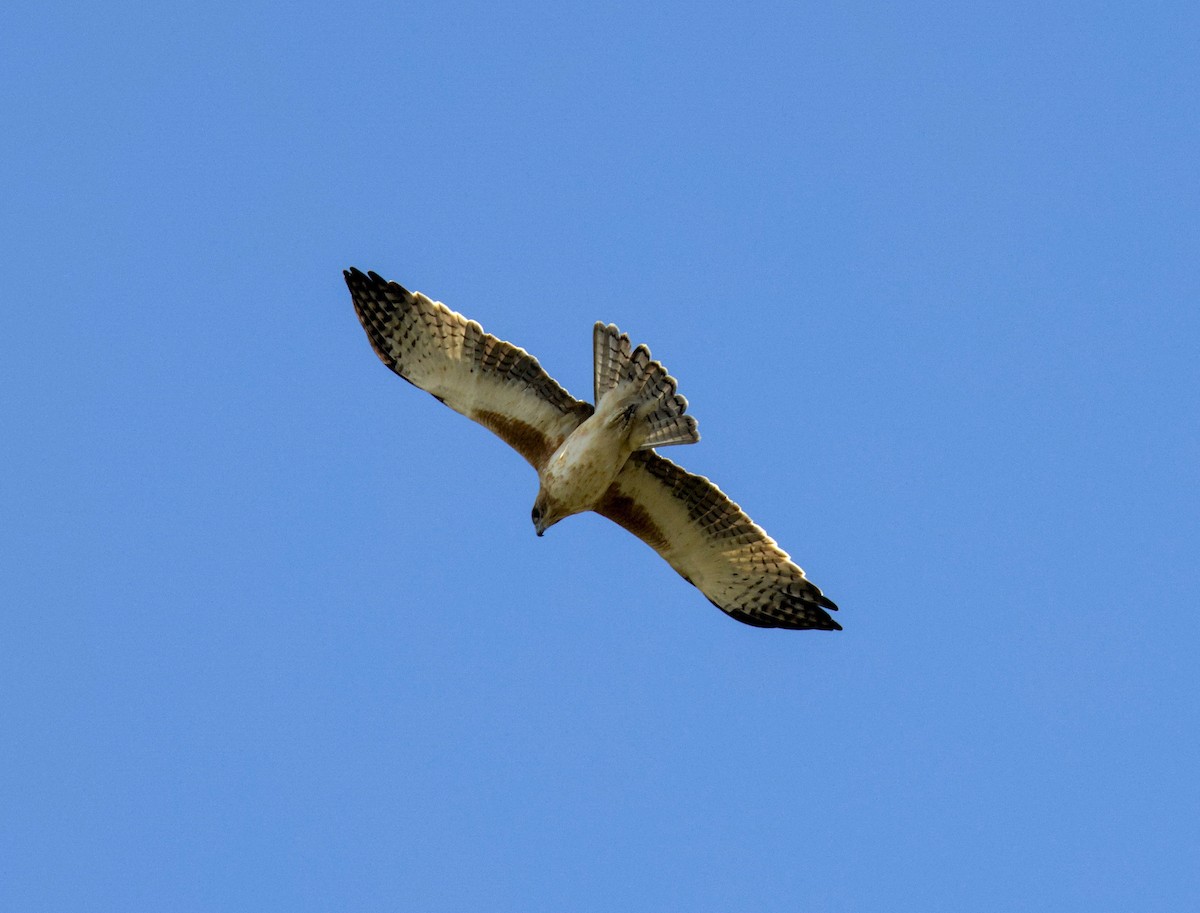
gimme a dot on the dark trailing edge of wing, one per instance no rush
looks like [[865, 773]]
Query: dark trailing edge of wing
[[814, 620]]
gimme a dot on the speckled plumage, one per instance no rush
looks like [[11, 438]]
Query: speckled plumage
[[595, 458]]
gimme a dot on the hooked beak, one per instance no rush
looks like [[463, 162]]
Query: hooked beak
[[541, 530]]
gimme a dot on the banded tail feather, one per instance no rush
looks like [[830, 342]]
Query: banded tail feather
[[628, 372]]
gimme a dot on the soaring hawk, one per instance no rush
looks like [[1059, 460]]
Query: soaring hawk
[[597, 457]]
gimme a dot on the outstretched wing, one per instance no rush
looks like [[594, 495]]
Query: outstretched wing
[[714, 545], [497, 384]]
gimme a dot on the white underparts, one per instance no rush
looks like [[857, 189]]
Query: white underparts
[[582, 469]]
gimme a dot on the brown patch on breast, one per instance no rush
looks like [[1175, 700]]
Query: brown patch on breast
[[626, 512], [527, 440]]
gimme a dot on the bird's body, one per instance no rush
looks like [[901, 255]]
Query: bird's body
[[600, 457], [580, 471]]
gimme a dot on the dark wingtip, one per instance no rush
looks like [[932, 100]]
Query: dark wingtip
[[806, 618], [816, 620], [356, 279]]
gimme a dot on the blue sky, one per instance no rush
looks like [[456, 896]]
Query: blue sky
[[278, 634]]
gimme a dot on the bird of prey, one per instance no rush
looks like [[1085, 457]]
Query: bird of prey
[[595, 457]]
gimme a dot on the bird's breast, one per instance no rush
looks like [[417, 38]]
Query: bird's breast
[[583, 468]]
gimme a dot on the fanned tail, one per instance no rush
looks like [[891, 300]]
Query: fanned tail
[[650, 390]]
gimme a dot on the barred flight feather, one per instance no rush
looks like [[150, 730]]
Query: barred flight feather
[[712, 544], [497, 384]]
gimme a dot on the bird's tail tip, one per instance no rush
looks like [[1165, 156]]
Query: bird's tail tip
[[632, 372]]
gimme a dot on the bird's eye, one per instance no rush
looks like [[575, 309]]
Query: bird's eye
[[537, 514]]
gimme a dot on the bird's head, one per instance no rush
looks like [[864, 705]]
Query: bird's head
[[545, 513]]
